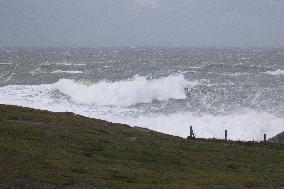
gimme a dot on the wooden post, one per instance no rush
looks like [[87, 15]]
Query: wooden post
[[191, 132], [226, 134], [264, 138]]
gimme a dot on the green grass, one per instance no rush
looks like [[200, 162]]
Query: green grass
[[40, 149]]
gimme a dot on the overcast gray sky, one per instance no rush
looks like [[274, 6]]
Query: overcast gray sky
[[104, 23]]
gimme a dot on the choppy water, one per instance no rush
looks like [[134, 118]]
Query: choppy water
[[169, 89]]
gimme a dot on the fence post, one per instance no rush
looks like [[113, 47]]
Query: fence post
[[191, 132], [264, 137], [226, 134]]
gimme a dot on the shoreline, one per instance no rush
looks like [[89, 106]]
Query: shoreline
[[42, 149]]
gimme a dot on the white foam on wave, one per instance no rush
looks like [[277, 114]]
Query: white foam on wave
[[68, 64], [126, 92], [277, 72], [79, 64], [69, 72], [243, 125], [62, 63], [5, 63]]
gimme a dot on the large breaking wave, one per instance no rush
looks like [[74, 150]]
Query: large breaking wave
[[126, 92], [91, 99]]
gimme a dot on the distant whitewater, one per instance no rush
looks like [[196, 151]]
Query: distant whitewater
[[277, 72], [166, 90], [67, 71]]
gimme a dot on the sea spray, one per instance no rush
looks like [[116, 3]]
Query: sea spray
[[242, 125]]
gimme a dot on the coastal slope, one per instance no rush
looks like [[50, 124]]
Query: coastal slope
[[41, 149]]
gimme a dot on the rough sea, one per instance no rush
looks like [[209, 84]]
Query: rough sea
[[163, 89]]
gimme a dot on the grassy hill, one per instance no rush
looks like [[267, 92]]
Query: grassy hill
[[40, 149]]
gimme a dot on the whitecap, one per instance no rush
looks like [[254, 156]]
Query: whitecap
[[5, 63], [69, 72], [276, 72]]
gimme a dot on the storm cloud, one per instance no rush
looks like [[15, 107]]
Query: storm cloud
[[105, 23]]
